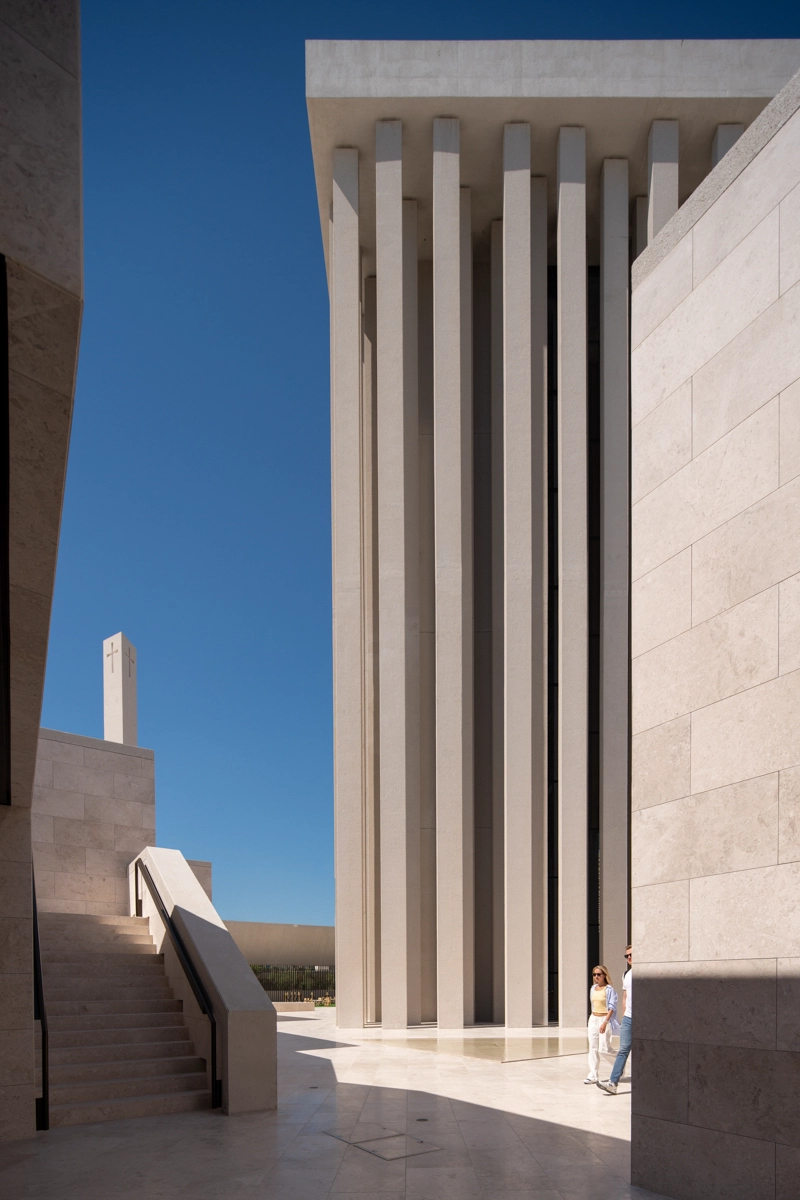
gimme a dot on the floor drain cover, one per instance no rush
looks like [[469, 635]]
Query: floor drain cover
[[362, 1131], [382, 1142], [399, 1146]]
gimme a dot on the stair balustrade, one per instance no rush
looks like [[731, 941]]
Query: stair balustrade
[[200, 993]]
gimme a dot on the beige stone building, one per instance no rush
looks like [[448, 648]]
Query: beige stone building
[[715, 564], [481, 204], [516, 469]]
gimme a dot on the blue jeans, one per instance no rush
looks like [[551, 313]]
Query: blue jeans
[[625, 1039]]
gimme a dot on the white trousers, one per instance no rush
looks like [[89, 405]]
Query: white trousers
[[599, 1043]]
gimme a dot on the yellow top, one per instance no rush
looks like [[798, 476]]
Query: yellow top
[[599, 1005]]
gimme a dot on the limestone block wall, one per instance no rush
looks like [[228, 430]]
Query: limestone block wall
[[93, 812], [715, 412], [41, 291]]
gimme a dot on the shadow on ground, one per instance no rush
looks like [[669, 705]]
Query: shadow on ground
[[481, 1152]]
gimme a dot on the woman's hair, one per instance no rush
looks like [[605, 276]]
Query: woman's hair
[[600, 967]]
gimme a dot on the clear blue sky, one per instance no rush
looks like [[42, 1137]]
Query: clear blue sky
[[197, 510]]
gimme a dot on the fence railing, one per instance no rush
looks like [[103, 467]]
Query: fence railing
[[296, 983]]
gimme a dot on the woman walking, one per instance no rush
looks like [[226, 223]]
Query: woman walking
[[602, 1021]]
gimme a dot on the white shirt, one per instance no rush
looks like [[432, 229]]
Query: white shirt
[[627, 984]]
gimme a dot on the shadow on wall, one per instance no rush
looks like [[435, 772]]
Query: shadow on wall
[[715, 1108]]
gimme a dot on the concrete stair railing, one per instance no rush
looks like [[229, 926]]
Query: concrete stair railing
[[119, 1045], [244, 1019]]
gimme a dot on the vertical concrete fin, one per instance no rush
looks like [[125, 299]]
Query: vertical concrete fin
[[614, 566], [539, 594], [518, 573], [371, 712], [573, 577], [346, 499], [398, 572], [427, 637], [498, 645], [662, 170], [453, 533]]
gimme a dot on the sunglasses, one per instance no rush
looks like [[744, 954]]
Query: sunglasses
[[598, 975], [628, 956]]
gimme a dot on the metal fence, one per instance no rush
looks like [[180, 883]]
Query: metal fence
[[297, 983]]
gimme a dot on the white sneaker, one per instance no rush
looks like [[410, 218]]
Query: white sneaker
[[589, 1079], [609, 1087]]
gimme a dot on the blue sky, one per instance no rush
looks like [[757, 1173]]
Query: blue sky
[[197, 510]]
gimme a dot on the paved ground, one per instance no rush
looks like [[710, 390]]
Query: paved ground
[[513, 1130]]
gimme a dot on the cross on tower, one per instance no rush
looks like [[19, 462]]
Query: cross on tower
[[119, 690]]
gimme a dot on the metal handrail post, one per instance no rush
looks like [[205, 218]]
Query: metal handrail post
[[40, 1015]]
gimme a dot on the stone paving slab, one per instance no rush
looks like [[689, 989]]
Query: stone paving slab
[[522, 1130]]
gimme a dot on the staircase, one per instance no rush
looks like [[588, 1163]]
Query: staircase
[[118, 1044]]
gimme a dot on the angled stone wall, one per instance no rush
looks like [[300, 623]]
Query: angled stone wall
[[716, 680], [41, 270], [93, 812]]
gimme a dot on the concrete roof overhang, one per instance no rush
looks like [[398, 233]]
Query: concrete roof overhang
[[613, 89]]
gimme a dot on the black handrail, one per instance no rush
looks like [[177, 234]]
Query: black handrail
[[200, 993], [40, 1014], [5, 618]]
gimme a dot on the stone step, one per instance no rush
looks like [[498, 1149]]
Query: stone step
[[75, 952], [107, 954], [116, 1069], [80, 920], [89, 929], [118, 1089], [120, 1109], [123, 1020], [92, 921], [118, 1044], [105, 988], [124, 1035], [124, 967], [97, 941], [119, 1052], [127, 968], [71, 1008]]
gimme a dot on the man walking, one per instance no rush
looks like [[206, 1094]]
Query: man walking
[[626, 1032]]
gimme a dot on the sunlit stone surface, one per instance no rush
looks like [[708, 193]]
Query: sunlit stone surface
[[502, 1130]]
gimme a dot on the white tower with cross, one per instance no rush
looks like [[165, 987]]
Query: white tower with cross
[[119, 690]]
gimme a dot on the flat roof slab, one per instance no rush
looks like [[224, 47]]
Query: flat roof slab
[[504, 69], [613, 89]]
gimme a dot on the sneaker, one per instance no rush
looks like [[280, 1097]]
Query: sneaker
[[589, 1079], [609, 1087]]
